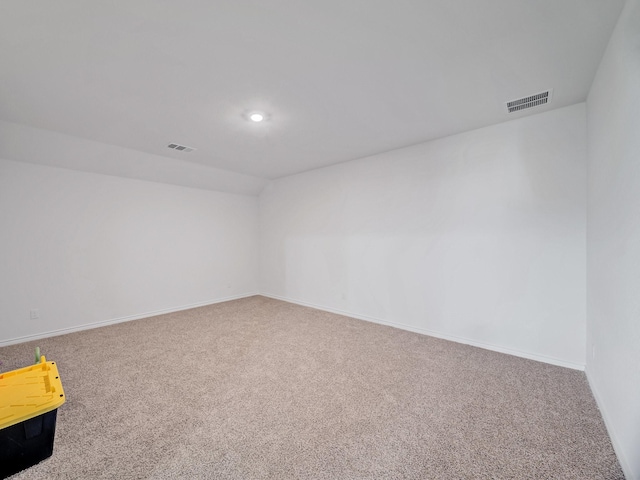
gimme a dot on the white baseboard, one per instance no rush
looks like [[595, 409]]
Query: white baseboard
[[432, 333], [624, 463], [128, 318]]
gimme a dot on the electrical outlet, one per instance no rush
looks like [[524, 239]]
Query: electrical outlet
[[34, 314]]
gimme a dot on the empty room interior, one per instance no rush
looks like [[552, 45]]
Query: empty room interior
[[325, 239]]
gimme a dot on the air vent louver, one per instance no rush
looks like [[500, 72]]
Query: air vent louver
[[180, 148], [530, 101]]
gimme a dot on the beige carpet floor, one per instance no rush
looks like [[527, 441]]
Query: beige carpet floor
[[262, 389]]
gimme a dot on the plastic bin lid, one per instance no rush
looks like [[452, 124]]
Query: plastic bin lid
[[28, 392]]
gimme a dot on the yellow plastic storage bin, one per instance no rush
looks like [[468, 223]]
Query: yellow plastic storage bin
[[29, 399]]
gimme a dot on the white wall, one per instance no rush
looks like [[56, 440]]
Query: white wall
[[85, 248], [478, 237], [613, 238]]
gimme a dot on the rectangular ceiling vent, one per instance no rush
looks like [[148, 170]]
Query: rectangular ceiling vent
[[530, 101], [180, 148]]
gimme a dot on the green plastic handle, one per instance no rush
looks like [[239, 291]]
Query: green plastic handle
[[37, 354]]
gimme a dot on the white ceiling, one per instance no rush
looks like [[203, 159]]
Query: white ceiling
[[341, 79]]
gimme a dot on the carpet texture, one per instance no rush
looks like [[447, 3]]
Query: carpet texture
[[262, 389]]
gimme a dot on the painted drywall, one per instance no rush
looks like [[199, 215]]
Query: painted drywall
[[339, 79], [613, 238], [35, 145], [84, 248], [477, 237]]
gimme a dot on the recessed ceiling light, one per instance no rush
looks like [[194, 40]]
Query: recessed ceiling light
[[256, 116]]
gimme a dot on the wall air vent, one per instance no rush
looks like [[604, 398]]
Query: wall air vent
[[180, 148], [530, 101]]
